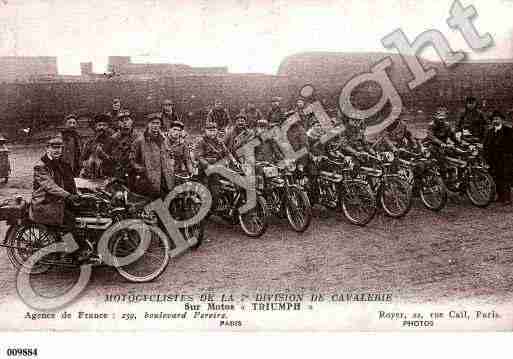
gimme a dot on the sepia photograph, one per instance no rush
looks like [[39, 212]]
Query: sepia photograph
[[255, 165]]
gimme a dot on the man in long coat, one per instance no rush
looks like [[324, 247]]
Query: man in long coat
[[498, 151], [72, 144], [150, 159], [53, 187]]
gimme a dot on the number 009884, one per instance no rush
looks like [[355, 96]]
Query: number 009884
[[22, 352]]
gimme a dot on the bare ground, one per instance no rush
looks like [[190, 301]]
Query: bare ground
[[460, 253]]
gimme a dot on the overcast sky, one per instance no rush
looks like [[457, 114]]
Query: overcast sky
[[245, 35]]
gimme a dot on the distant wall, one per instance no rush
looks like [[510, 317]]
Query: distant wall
[[44, 105], [23, 68]]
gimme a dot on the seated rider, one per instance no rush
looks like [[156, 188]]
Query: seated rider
[[54, 192], [439, 130], [179, 149], [238, 135], [398, 135], [209, 151], [438, 134], [268, 150]]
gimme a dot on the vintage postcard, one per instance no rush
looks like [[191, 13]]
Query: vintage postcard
[[255, 165]]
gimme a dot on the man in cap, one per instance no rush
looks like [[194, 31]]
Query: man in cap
[[210, 150], [55, 194], [120, 145], [96, 162], [179, 149], [275, 115], [219, 115], [169, 114], [398, 135], [72, 143], [498, 150], [268, 150], [54, 187], [238, 135], [472, 119], [116, 107], [439, 130], [150, 159], [252, 114]]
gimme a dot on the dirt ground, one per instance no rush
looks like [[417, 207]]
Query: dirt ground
[[462, 252]]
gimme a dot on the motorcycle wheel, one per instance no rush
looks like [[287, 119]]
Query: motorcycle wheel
[[433, 193], [358, 203], [150, 264], [195, 230], [33, 237], [298, 209], [395, 197], [480, 188], [255, 221]]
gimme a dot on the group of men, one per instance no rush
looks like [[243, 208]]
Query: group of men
[[148, 161]]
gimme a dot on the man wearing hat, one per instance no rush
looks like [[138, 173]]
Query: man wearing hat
[[268, 150], [113, 114], [253, 114], [472, 119], [219, 115], [96, 162], [397, 135], [150, 159], [238, 135], [498, 150], [120, 145], [179, 148], [169, 114], [275, 115], [72, 144], [210, 149], [439, 130], [54, 187]]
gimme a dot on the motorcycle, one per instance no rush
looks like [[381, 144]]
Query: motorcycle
[[466, 173], [422, 172], [283, 195], [230, 198], [393, 191], [185, 206], [95, 212], [335, 187]]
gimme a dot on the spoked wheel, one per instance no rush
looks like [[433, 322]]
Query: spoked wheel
[[395, 197], [480, 188], [432, 192], [358, 203], [298, 209], [184, 209], [26, 240], [255, 221], [149, 263]]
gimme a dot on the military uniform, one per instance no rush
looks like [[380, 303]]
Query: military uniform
[[473, 121], [220, 117], [275, 117], [119, 152], [53, 184], [72, 150], [253, 115], [210, 150], [179, 151], [96, 165], [440, 131]]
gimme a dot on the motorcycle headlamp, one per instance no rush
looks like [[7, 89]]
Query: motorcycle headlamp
[[119, 198], [387, 157], [349, 162]]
